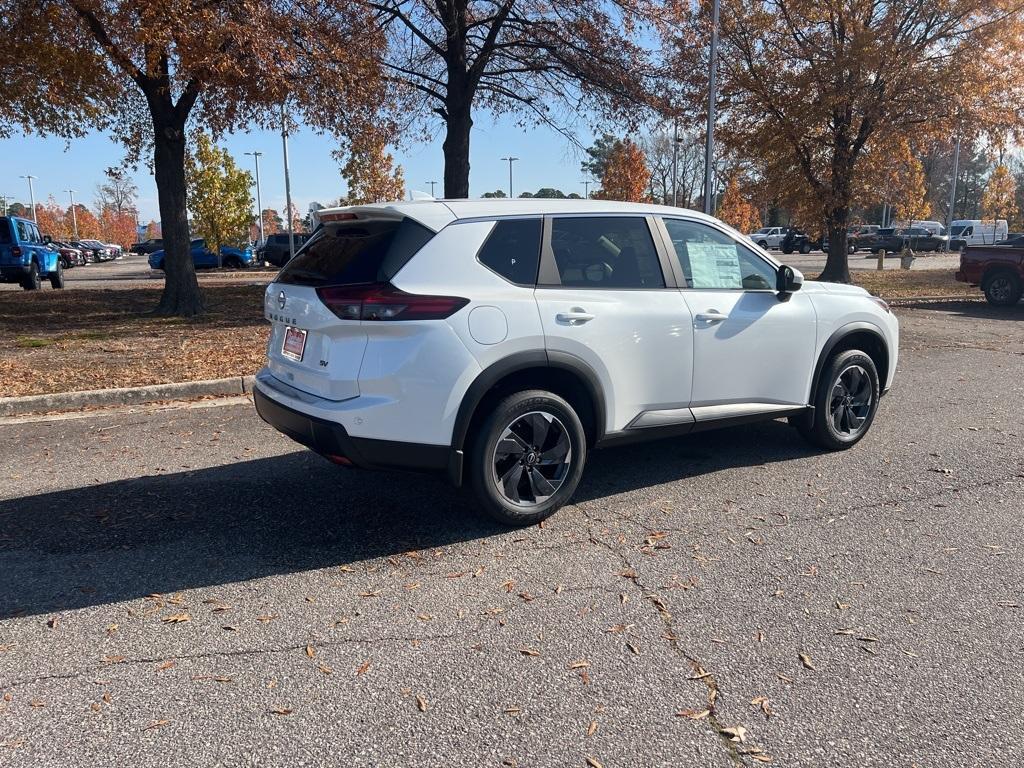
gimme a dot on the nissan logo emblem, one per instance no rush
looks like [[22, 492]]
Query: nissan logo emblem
[[281, 300]]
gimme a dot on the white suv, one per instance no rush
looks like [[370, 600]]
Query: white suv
[[499, 341]]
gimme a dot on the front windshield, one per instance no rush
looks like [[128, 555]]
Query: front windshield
[[958, 229], [763, 231]]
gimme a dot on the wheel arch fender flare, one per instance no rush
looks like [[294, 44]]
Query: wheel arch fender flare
[[833, 342], [489, 377]]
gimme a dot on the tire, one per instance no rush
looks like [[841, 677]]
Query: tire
[[787, 249], [32, 281], [763, 244], [1002, 288], [845, 402], [65, 262], [851, 248], [805, 247], [57, 277], [555, 463]]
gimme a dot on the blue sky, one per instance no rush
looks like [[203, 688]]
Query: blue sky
[[547, 160]]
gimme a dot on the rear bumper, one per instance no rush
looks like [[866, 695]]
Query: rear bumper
[[13, 273], [331, 440]]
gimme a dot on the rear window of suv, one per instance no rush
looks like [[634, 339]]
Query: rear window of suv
[[513, 250], [349, 252]]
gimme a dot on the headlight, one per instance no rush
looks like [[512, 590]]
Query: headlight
[[881, 303]]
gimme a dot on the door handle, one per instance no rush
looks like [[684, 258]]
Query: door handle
[[575, 316], [711, 316]]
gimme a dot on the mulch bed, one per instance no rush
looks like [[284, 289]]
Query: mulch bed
[[61, 341]]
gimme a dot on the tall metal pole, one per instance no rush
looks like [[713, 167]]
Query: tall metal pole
[[952, 192], [74, 213], [287, 188], [510, 161], [259, 200], [709, 146], [586, 188], [432, 185], [32, 195], [675, 161]]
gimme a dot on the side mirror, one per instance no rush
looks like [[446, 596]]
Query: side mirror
[[47, 239], [788, 280]]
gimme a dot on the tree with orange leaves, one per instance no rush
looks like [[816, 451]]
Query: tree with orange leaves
[[145, 69], [1000, 198], [736, 210], [626, 176], [117, 226], [840, 78], [53, 220]]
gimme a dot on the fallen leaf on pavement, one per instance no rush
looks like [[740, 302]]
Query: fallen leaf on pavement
[[165, 665], [325, 669], [592, 728], [734, 733], [579, 664], [593, 762], [176, 618], [310, 651], [37, 703], [114, 659], [281, 711], [529, 652], [363, 667], [806, 661], [761, 702], [52, 623], [421, 703], [156, 724], [694, 714]]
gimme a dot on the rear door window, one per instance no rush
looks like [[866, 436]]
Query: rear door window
[[605, 252], [5, 231], [349, 252], [513, 250]]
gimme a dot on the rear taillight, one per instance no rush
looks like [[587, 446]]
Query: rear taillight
[[382, 301], [16, 252]]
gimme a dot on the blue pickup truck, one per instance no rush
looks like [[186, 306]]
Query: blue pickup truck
[[204, 258], [25, 258]]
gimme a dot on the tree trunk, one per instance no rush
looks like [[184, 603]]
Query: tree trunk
[[837, 264], [459, 122], [181, 296]]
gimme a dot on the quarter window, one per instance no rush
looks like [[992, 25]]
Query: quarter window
[[605, 252], [513, 250], [711, 259]]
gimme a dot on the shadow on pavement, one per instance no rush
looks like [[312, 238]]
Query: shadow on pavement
[[163, 533]]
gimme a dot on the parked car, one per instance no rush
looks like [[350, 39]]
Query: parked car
[[204, 258], [500, 341], [997, 269], [148, 246], [276, 250], [25, 258], [69, 256], [1014, 238], [89, 253], [798, 240], [895, 240], [964, 232], [769, 237], [116, 249], [859, 234], [101, 251]]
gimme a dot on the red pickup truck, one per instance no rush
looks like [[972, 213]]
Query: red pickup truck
[[998, 269]]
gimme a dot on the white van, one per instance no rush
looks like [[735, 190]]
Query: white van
[[976, 232]]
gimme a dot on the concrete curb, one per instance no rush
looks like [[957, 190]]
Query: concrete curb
[[902, 302], [69, 401]]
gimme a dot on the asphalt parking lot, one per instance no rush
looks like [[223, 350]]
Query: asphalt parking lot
[[185, 586]]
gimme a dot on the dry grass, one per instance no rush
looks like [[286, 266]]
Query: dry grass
[[909, 284], [59, 341]]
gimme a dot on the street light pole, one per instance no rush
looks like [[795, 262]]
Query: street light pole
[[432, 185], [74, 213], [32, 195], [952, 192], [586, 188], [709, 146], [510, 161], [259, 200], [287, 188]]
